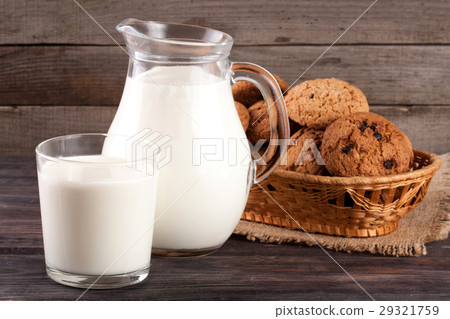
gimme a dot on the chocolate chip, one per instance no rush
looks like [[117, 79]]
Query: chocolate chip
[[363, 126], [347, 149], [312, 96], [373, 127], [388, 164], [378, 136]]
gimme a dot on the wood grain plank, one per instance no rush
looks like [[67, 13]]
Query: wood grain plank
[[22, 128], [240, 270], [256, 272], [74, 75], [68, 74], [249, 22], [388, 75]]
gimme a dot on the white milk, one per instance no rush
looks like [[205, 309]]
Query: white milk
[[91, 215], [190, 104]]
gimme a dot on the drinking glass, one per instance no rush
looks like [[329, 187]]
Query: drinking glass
[[97, 210]]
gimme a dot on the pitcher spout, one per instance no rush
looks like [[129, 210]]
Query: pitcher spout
[[173, 42], [131, 29], [135, 34]]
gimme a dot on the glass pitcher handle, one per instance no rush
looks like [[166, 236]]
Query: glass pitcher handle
[[279, 128]]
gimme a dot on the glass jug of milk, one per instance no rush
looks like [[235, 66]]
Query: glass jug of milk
[[178, 94]]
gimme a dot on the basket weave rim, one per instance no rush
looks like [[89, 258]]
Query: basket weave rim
[[430, 169]]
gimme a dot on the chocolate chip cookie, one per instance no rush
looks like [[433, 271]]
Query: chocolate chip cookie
[[243, 113], [318, 103], [304, 156], [248, 94], [365, 144]]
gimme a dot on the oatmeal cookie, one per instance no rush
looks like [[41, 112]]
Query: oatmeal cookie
[[304, 157], [318, 103], [243, 113], [248, 94], [259, 126]]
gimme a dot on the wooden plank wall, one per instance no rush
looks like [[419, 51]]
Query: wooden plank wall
[[60, 73]]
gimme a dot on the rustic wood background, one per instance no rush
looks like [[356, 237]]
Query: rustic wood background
[[60, 73]]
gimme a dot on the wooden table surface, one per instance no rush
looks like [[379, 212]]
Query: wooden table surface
[[240, 270]]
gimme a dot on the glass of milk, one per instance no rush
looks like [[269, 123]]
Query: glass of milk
[[97, 211]]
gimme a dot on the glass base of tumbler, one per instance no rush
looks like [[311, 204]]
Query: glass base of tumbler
[[94, 282], [184, 252]]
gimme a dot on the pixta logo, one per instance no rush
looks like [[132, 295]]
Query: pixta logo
[[218, 149], [148, 151]]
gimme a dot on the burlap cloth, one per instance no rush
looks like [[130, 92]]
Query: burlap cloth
[[430, 221]]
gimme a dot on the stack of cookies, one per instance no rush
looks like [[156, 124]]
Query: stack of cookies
[[247, 95], [333, 131]]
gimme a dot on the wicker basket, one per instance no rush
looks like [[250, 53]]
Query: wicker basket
[[344, 206]]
